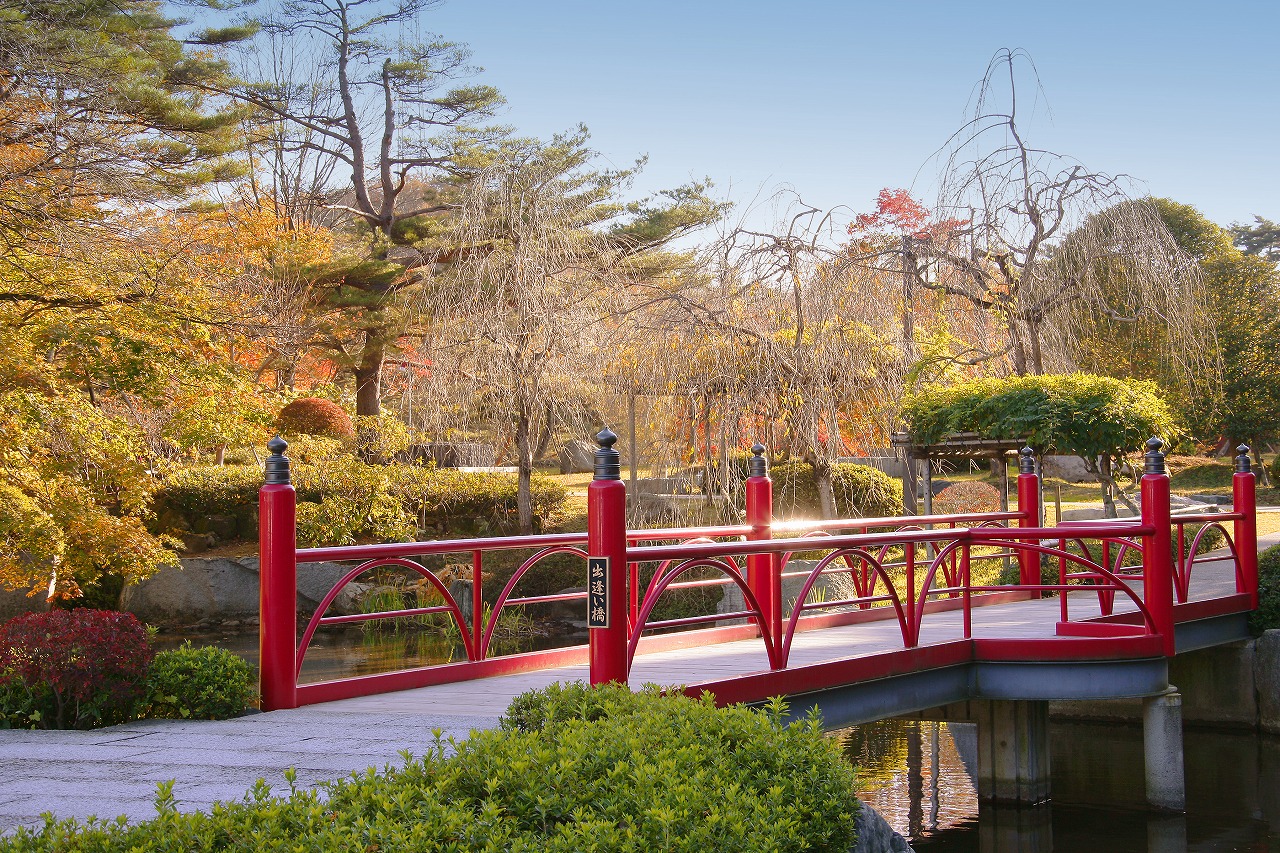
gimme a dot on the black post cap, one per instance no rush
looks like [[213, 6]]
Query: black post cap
[[608, 460], [1154, 459], [1026, 461], [758, 466], [277, 464], [1242, 459]]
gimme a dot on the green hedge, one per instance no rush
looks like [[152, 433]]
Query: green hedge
[[644, 773], [1267, 616], [1066, 413], [436, 498], [860, 491]]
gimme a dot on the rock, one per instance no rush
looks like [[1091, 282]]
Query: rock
[[1070, 468], [577, 457], [450, 454], [222, 526], [875, 835], [220, 588], [195, 543], [15, 603], [1267, 680]]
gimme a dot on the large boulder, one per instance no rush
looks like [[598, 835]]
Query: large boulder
[[1073, 469], [226, 588], [16, 603], [577, 457], [875, 835], [1267, 681]]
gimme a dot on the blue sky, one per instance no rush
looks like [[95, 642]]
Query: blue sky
[[839, 99]]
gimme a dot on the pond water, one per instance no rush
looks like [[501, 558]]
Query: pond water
[[350, 651], [919, 775]]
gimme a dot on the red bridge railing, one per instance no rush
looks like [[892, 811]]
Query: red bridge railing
[[896, 568]]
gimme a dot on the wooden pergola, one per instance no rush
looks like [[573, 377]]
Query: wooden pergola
[[957, 445]]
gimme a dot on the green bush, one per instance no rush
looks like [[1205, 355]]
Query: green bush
[[206, 683], [71, 669], [189, 494], [447, 498], [860, 491], [644, 773], [1267, 616], [1275, 472]]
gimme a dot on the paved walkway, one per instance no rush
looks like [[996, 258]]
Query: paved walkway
[[114, 771]]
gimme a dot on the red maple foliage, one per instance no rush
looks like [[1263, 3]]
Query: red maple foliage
[[898, 213], [76, 668]]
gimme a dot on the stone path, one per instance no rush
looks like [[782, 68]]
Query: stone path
[[114, 771]]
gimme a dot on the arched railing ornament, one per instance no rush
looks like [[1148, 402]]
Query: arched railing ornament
[[501, 601], [450, 605], [754, 611]]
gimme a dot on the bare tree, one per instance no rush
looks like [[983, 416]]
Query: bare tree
[[804, 349], [527, 320], [1035, 238]]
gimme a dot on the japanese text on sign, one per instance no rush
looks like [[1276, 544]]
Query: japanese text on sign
[[598, 592]]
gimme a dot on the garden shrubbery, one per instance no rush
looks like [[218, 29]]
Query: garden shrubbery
[[341, 500], [1267, 616], [860, 491], [206, 683], [966, 496], [316, 416], [82, 668], [573, 768], [71, 669]]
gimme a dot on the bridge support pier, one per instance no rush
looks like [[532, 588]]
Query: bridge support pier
[[1162, 750], [1013, 751]]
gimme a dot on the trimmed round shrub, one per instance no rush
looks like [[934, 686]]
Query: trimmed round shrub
[[645, 773], [1267, 616], [71, 669], [967, 496], [860, 491], [1275, 472], [315, 416], [205, 683]]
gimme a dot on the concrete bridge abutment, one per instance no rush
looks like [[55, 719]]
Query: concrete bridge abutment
[[1013, 751]]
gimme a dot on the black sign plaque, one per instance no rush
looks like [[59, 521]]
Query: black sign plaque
[[597, 592]]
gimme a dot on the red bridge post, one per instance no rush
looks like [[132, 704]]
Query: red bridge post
[[1157, 553], [1029, 506], [607, 566], [763, 570], [1244, 501], [277, 582]]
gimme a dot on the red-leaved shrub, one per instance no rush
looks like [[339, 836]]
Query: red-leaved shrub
[[72, 668], [315, 416]]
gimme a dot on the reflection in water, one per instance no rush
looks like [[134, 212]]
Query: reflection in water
[[920, 776], [349, 651]]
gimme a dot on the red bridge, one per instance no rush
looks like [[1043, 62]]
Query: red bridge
[[1117, 601]]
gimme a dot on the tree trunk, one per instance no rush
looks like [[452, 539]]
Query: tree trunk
[[1017, 348], [548, 429], [220, 454], [369, 378], [524, 497], [822, 480], [1104, 478], [1264, 479], [1037, 362]]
